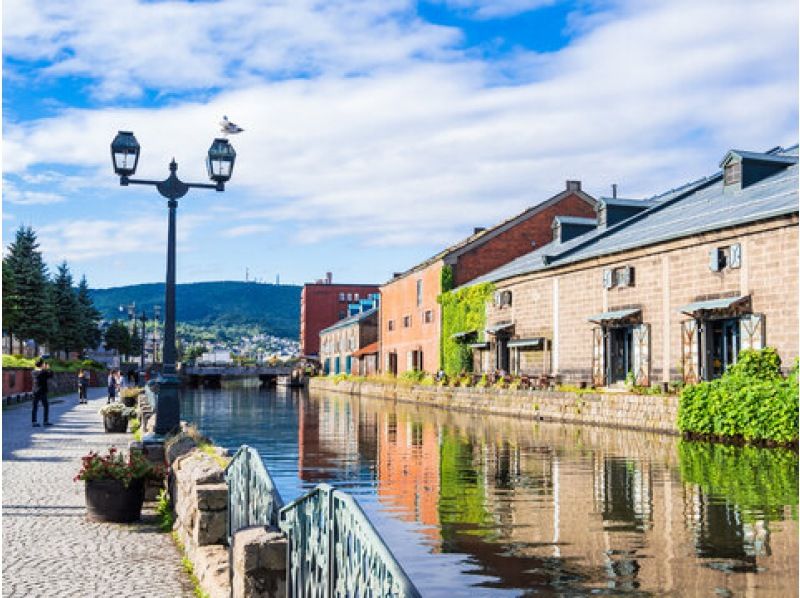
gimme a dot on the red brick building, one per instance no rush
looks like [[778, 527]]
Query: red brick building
[[410, 319], [323, 303]]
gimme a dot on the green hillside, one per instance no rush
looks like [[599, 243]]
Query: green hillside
[[275, 309]]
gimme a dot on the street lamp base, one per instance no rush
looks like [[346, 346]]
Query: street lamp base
[[168, 407]]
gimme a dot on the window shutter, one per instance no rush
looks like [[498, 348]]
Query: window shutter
[[751, 331], [736, 256], [713, 260], [608, 279], [410, 360], [690, 351], [641, 354], [598, 358]]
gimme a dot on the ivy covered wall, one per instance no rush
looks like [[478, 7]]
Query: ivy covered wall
[[462, 311]]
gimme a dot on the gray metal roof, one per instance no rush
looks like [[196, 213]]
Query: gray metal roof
[[575, 220], [350, 320], [763, 157], [696, 207]]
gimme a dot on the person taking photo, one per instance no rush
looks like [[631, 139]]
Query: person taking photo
[[41, 374]]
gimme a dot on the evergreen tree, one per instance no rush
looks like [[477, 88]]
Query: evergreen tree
[[90, 335], [11, 301], [136, 343], [29, 275], [67, 333], [117, 337]]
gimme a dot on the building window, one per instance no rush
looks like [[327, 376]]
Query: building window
[[355, 296], [342, 315], [733, 173], [341, 296], [419, 293], [349, 296], [428, 317], [406, 321], [391, 325]]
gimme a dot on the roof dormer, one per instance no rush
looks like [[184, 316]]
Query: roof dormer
[[741, 169], [569, 227], [613, 210]]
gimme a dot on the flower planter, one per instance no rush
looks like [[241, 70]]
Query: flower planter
[[114, 423], [129, 401], [110, 500]]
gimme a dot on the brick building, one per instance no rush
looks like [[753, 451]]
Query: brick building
[[345, 343], [321, 304], [410, 320], [664, 289]]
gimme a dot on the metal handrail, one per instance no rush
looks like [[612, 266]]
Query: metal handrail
[[253, 497], [334, 550]]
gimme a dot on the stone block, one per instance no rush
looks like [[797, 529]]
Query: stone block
[[212, 570], [178, 447], [211, 497], [210, 527], [259, 563]]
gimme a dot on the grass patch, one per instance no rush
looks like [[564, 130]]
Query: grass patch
[[166, 518], [210, 450], [188, 566]]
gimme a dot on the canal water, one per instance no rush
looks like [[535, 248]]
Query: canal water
[[482, 505]]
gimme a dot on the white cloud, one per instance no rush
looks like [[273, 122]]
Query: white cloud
[[488, 9], [413, 149], [28, 197]]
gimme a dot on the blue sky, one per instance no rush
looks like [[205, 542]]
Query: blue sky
[[375, 132]]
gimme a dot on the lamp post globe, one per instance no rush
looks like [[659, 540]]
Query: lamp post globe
[[125, 153], [221, 157]]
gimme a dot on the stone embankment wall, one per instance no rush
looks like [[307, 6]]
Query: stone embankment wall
[[199, 497], [622, 410]]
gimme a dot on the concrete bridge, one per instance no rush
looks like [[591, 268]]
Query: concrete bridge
[[212, 376]]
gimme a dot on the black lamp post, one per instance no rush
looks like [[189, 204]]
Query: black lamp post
[[143, 320], [125, 152]]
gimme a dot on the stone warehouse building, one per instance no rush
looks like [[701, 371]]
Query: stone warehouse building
[[322, 303], [669, 288], [350, 345], [410, 319]]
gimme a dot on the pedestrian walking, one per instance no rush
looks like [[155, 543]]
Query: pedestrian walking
[[112, 386], [83, 385], [41, 374]]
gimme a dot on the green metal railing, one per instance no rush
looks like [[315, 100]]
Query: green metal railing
[[334, 550], [253, 498]]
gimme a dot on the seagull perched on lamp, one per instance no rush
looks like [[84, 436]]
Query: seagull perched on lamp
[[229, 128]]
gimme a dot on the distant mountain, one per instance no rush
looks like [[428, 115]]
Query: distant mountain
[[274, 308]]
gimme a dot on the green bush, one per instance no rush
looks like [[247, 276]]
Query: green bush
[[751, 400], [413, 376], [57, 365], [760, 481]]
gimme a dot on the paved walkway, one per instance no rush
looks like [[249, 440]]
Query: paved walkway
[[49, 549]]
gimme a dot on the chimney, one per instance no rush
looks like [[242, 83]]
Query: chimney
[[328, 277], [614, 190], [397, 275], [478, 229], [573, 185]]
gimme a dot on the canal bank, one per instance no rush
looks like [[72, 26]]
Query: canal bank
[[656, 413]]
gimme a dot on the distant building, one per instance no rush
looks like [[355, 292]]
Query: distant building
[[350, 346], [410, 329], [211, 357], [323, 303]]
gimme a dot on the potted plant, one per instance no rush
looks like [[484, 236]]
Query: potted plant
[[115, 417], [130, 395], [115, 485]]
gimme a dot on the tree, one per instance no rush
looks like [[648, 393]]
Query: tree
[[11, 301], [67, 332], [117, 337], [136, 344], [90, 335], [32, 287]]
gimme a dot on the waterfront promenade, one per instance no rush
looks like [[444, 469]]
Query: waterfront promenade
[[49, 548]]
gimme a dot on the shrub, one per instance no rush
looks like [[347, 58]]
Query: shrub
[[132, 392], [750, 402], [117, 409], [412, 376]]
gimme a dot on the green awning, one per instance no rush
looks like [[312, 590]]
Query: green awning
[[499, 327], [613, 316], [537, 342], [714, 304]]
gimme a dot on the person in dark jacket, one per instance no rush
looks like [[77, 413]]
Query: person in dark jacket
[[83, 385], [41, 374]]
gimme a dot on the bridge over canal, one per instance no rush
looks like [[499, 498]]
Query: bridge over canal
[[212, 376]]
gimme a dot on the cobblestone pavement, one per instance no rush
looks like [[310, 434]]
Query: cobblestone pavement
[[49, 548]]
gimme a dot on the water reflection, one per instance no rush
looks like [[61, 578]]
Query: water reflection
[[485, 505]]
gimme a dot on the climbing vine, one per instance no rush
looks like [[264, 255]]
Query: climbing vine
[[463, 310]]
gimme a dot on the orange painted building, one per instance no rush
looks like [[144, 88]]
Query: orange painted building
[[410, 319]]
